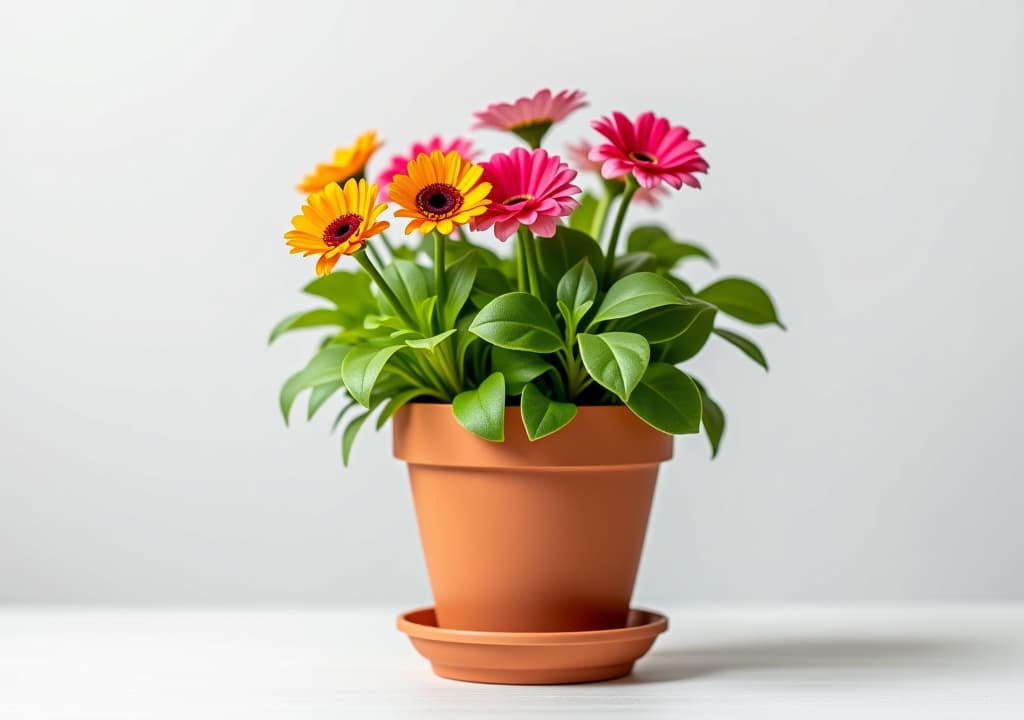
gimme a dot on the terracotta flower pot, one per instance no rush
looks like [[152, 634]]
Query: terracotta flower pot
[[524, 536]]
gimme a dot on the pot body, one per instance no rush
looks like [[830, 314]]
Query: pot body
[[523, 536]]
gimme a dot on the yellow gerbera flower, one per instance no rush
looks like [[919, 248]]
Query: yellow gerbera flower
[[336, 221], [441, 190], [348, 162]]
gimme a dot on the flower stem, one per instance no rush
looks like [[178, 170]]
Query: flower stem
[[387, 244], [363, 259], [440, 275], [604, 205], [374, 254], [520, 264], [609, 259], [451, 371], [529, 244], [463, 235]]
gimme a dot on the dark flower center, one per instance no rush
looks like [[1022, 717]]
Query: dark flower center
[[438, 201], [341, 229], [518, 199], [643, 157]]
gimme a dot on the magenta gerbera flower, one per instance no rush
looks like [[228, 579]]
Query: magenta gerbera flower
[[399, 163], [579, 156], [530, 188], [530, 117], [651, 149]]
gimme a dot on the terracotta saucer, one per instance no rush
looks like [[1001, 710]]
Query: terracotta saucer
[[519, 658]]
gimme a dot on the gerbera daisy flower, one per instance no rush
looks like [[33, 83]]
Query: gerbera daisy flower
[[348, 162], [399, 163], [579, 156], [650, 196], [439, 190], [336, 221], [530, 188], [651, 149], [530, 117]]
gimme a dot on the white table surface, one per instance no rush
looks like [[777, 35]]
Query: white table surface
[[929, 662]]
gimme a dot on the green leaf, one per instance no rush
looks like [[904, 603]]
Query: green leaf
[[373, 321], [664, 323], [409, 282], [482, 411], [321, 394], [693, 339], [342, 413], [577, 291], [518, 321], [461, 275], [321, 317], [748, 347], [362, 367], [348, 435], [463, 338], [490, 283], [743, 299], [404, 252], [712, 418], [324, 367], [681, 285], [636, 293], [518, 368], [565, 249], [634, 262], [616, 360], [667, 399], [395, 403], [542, 415], [431, 342], [582, 218], [657, 241], [350, 291], [424, 312]]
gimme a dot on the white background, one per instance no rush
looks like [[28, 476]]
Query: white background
[[866, 166]]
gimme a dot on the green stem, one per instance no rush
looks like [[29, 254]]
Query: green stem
[[438, 379], [440, 276], [520, 264], [387, 243], [422, 383], [448, 361], [604, 205], [609, 259], [463, 235], [374, 254], [362, 258], [572, 363], [529, 244], [420, 365]]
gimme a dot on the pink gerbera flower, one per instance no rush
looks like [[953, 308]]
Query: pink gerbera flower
[[529, 188], [650, 196], [399, 163], [651, 149], [579, 156], [530, 117]]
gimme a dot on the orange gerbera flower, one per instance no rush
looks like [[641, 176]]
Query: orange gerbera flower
[[348, 162], [441, 190], [336, 221]]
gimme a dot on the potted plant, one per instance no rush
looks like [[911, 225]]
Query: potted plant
[[533, 393]]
